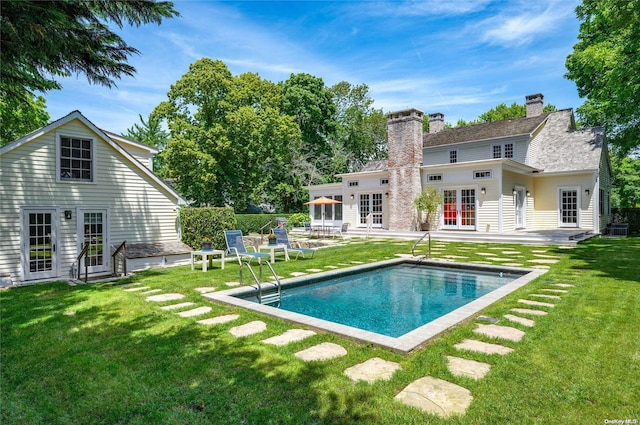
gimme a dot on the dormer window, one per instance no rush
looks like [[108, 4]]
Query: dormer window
[[75, 159]]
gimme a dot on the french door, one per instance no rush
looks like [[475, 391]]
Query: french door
[[459, 209], [93, 233], [39, 250], [569, 204], [370, 208]]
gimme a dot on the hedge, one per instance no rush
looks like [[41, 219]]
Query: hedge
[[200, 223]]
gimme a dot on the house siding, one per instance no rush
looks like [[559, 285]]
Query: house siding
[[138, 209], [547, 199], [476, 151]]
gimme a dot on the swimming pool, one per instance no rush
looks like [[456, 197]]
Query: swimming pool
[[398, 304]]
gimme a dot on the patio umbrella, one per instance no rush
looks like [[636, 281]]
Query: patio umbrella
[[323, 200]]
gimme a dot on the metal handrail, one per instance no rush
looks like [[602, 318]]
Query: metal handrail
[[123, 248], [259, 282], [420, 240], [83, 253]]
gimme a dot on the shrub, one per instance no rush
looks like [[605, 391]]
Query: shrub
[[200, 223], [298, 218]]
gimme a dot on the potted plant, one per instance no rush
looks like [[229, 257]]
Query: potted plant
[[206, 243], [272, 238], [427, 204]]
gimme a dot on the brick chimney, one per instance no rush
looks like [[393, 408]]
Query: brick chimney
[[436, 122], [534, 104], [404, 134]]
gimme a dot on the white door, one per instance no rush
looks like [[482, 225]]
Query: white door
[[39, 250], [459, 209], [520, 198], [93, 232], [569, 204], [370, 209]]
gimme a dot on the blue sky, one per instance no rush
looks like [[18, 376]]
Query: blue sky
[[457, 57]]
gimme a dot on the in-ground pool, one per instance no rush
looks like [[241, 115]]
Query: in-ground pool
[[397, 303]]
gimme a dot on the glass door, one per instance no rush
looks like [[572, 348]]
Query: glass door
[[40, 256], [370, 209], [94, 235], [520, 207], [459, 209], [569, 204]]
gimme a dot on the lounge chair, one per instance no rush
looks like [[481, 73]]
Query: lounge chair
[[341, 230], [235, 245], [282, 237]]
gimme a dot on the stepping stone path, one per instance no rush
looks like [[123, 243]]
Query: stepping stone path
[[529, 311], [292, 335], [536, 303], [177, 306], [153, 291], [564, 285], [233, 283], [552, 297], [219, 320], [324, 351], [496, 331], [524, 322], [372, 370], [557, 291], [205, 289], [543, 261], [164, 297], [486, 254], [483, 347], [248, 329], [296, 274], [331, 267], [139, 288], [436, 396], [315, 270], [195, 312], [468, 368]]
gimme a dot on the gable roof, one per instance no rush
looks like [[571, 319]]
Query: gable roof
[[484, 131], [103, 135], [560, 148]]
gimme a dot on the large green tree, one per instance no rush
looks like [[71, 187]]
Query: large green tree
[[605, 65], [625, 191], [42, 40], [503, 112], [229, 143], [150, 132], [21, 117]]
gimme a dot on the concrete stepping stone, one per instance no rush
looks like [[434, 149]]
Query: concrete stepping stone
[[177, 306], [564, 285], [318, 270], [205, 289], [536, 303], [219, 320], [247, 329], [486, 254], [296, 274], [324, 351], [125, 285], [292, 335], [524, 322], [551, 297], [545, 256], [529, 311], [136, 289], [510, 253], [153, 291], [164, 297], [454, 256], [513, 264], [372, 370], [468, 368], [356, 262], [194, 312], [483, 347], [500, 259], [539, 251], [482, 262], [556, 291], [331, 267], [232, 283], [436, 396], [543, 261], [496, 331], [540, 267]]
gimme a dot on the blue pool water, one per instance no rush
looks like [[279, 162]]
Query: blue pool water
[[392, 300]]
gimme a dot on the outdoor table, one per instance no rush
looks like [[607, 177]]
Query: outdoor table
[[273, 249], [207, 256]]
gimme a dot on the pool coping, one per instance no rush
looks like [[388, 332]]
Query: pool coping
[[404, 343]]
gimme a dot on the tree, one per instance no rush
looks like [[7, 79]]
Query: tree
[[361, 130], [20, 118], [605, 65], [625, 191], [44, 39], [150, 132], [503, 112]]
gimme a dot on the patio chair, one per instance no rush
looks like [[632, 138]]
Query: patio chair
[[307, 228], [235, 245], [282, 237], [341, 230]]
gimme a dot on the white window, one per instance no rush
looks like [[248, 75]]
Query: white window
[[434, 177], [353, 183], [482, 174], [75, 159], [508, 150], [453, 157], [502, 151], [497, 151], [384, 182]]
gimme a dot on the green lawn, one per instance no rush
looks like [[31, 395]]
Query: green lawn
[[94, 354]]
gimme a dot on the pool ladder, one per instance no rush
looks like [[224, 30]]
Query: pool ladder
[[420, 240], [268, 296]]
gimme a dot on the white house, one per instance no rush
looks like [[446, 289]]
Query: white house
[[531, 173], [70, 184]]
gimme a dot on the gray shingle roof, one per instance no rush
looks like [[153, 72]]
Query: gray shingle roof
[[559, 148], [379, 165], [490, 130]]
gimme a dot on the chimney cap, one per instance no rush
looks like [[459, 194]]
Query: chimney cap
[[537, 97]]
